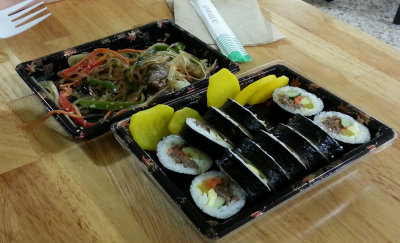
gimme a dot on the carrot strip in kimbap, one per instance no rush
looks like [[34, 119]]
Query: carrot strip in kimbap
[[297, 101], [174, 154], [343, 127], [217, 195]]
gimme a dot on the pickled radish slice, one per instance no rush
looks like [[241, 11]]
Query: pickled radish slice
[[221, 86], [178, 119], [265, 91], [149, 126], [244, 95]]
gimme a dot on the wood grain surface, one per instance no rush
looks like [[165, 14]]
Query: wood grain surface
[[56, 189]]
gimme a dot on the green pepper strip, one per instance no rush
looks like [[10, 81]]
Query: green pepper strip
[[160, 47], [101, 83], [179, 46], [108, 105]]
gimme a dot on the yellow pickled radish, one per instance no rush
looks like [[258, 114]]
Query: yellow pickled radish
[[149, 126], [222, 85], [265, 91], [178, 119], [248, 91]]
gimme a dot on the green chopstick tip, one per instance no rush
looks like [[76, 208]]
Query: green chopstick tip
[[236, 56]]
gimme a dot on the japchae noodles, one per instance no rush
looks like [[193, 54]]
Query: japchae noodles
[[104, 83]]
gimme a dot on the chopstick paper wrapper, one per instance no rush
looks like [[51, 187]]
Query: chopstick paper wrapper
[[220, 31]]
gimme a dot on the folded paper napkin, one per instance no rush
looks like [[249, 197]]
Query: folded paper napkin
[[244, 17]]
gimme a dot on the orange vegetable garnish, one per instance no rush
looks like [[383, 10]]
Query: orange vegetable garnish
[[298, 99], [213, 182], [129, 50], [91, 61], [50, 113]]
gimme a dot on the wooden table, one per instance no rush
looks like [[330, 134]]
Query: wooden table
[[53, 188]]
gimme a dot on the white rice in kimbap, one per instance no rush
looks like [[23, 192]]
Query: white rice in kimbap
[[342, 127], [297, 101], [174, 154], [217, 195]]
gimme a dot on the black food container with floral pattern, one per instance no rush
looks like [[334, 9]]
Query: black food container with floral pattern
[[46, 68], [176, 186]]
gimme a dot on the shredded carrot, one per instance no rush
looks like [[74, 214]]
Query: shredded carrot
[[129, 50], [132, 60], [104, 50], [50, 113], [119, 112], [107, 115], [94, 53], [68, 85]]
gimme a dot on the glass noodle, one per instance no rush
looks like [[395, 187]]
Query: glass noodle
[[105, 83]]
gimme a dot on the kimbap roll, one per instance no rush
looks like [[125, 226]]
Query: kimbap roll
[[297, 101], [244, 116], [329, 146], [176, 155], [307, 151], [287, 159], [342, 127], [265, 163], [217, 195], [226, 125], [204, 137], [241, 170]]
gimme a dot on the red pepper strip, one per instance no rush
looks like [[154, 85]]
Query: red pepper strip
[[68, 107], [94, 64], [104, 50], [74, 68], [82, 64]]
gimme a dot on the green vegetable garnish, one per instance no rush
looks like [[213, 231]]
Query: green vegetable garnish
[[101, 84], [108, 105]]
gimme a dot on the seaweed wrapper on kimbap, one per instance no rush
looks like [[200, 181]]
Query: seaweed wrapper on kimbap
[[241, 170], [308, 152], [325, 143], [226, 125], [244, 116], [204, 137]]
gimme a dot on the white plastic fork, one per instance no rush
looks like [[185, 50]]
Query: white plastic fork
[[8, 23]]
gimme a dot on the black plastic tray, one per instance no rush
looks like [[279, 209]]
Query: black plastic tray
[[46, 67], [176, 186]]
